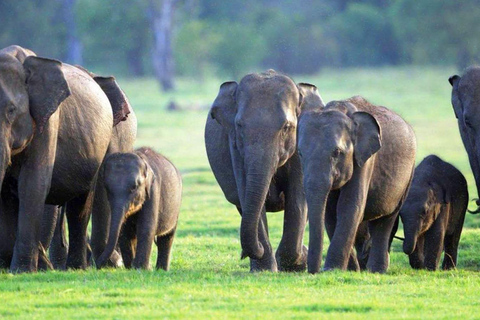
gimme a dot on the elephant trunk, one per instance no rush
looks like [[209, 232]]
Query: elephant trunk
[[411, 230], [118, 213], [259, 175], [473, 150], [316, 195]]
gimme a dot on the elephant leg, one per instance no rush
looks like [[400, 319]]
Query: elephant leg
[[381, 229], [144, 249], [34, 183], [78, 216], [417, 258], [268, 261], [363, 244], [58, 250], [49, 222], [394, 232], [128, 242], [291, 254], [8, 227], [451, 250], [434, 239], [164, 245], [451, 245]]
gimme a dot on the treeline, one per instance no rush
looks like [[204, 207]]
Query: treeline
[[231, 37]]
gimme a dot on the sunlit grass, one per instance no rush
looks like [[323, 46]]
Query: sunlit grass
[[207, 277]]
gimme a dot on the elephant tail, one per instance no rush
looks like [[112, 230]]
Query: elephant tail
[[477, 201]]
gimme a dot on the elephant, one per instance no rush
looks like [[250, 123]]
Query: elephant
[[433, 214], [57, 124], [465, 101], [122, 140], [250, 139], [358, 161], [144, 192]]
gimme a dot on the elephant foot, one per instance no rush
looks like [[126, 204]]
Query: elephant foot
[[353, 264], [77, 263], [24, 262], [379, 266], [292, 262], [448, 264], [267, 263], [5, 261], [22, 266]]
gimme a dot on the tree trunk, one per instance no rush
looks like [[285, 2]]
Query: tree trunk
[[161, 13], [74, 46]]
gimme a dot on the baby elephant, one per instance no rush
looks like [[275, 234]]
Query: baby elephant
[[433, 214], [144, 191]]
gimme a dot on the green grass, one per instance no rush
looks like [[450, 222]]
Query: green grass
[[207, 277]]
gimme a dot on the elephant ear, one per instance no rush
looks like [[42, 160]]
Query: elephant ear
[[436, 197], [148, 174], [118, 100], [46, 86], [368, 137], [310, 97], [456, 103], [224, 107]]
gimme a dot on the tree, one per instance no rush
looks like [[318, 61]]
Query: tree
[[74, 46], [161, 23]]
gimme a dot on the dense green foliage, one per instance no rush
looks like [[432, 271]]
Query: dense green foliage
[[209, 281], [227, 37]]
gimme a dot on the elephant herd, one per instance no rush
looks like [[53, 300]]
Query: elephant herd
[[67, 141], [348, 167]]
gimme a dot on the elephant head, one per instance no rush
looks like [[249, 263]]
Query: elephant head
[[420, 210], [128, 179], [466, 105], [333, 143], [31, 90], [260, 115]]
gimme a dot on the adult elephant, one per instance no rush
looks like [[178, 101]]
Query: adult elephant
[[56, 124], [122, 140], [250, 138], [466, 106], [358, 162]]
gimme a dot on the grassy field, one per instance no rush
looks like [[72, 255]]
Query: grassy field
[[207, 277]]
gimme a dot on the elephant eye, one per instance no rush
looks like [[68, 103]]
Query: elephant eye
[[337, 152], [287, 127], [11, 109]]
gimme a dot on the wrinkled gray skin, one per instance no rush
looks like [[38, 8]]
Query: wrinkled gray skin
[[433, 214], [144, 191], [358, 162], [122, 140], [466, 106], [56, 125], [250, 138]]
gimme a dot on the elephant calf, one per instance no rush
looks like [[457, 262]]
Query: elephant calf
[[358, 162], [433, 214], [144, 191]]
